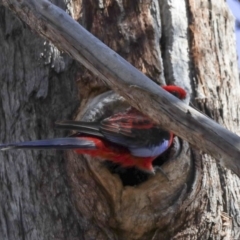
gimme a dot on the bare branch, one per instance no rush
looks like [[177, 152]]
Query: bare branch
[[58, 27]]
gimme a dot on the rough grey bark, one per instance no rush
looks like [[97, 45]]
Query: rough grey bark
[[35, 202], [46, 197]]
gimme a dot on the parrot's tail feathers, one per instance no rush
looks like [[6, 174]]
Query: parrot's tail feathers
[[90, 128], [55, 143]]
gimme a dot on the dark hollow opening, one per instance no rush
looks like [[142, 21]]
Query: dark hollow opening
[[133, 176]]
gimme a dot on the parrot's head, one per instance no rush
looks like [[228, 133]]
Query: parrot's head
[[176, 91]]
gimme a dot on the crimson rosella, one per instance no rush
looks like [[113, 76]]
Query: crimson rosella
[[128, 138]]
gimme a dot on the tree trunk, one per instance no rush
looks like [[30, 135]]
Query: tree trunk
[[56, 195]]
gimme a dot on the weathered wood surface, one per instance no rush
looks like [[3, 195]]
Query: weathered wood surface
[[34, 193], [87, 202]]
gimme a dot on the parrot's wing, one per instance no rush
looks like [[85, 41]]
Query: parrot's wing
[[136, 132], [89, 128], [130, 129]]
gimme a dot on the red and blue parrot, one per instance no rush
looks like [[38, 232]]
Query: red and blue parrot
[[128, 138]]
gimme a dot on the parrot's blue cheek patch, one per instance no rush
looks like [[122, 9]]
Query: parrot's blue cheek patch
[[152, 151]]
